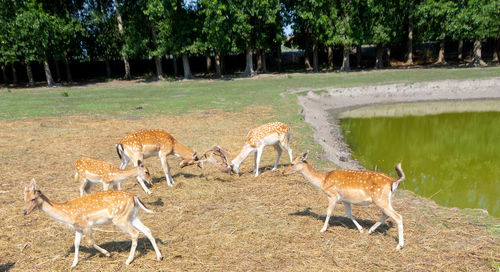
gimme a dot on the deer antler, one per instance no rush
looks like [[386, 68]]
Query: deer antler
[[221, 153]]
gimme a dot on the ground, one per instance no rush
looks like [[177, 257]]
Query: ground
[[210, 221]]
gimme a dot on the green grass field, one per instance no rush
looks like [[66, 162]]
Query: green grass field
[[174, 97]]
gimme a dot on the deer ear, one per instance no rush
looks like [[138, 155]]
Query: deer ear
[[140, 164], [195, 155], [32, 184], [304, 156]]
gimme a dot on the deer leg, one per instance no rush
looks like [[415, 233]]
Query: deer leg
[[254, 162], [279, 150], [166, 169], [144, 187], [257, 159], [105, 186], [78, 239], [141, 227], [376, 225], [90, 237], [83, 187], [399, 220], [331, 205], [348, 211]]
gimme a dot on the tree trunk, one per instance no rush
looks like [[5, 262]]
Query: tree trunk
[[58, 71], [359, 51], [14, 74], [441, 59], [159, 70], [346, 65], [4, 75], [315, 58], [460, 51], [127, 75], [48, 74], [388, 56], [278, 58], [208, 60], [174, 61], [477, 59], [409, 44], [31, 81], [379, 62], [264, 66], [307, 60], [496, 45], [217, 64], [259, 61], [249, 72], [185, 65], [330, 57], [120, 30], [69, 77], [108, 68]]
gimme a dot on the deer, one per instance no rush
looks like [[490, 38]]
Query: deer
[[97, 171], [276, 134], [138, 145], [82, 213], [354, 187]]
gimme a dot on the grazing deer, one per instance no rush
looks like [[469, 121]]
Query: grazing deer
[[276, 134], [95, 171], [354, 187], [137, 146], [82, 213]]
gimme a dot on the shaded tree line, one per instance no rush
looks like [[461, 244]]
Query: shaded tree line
[[63, 32]]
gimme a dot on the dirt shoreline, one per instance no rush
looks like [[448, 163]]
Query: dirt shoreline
[[319, 104]]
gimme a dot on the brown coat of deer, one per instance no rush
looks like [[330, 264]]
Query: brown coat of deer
[[82, 213], [137, 146], [275, 134], [354, 187], [90, 170]]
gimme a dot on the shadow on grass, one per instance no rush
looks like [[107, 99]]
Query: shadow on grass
[[344, 221], [6, 266], [143, 246]]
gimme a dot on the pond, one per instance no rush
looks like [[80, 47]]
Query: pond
[[450, 157]]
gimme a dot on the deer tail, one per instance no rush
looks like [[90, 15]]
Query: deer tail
[[140, 204], [401, 177]]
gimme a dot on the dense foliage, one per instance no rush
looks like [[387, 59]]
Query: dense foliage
[[105, 30]]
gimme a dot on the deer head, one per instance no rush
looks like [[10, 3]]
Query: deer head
[[296, 165], [32, 198]]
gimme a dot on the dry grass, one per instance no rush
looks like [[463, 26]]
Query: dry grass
[[211, 221]]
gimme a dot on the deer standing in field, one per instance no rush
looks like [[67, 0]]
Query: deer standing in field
[[354, 187], [82, 213], [276, 134], [97, 171], [137, 146]]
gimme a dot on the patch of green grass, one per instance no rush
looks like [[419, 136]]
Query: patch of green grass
[[178, 97]]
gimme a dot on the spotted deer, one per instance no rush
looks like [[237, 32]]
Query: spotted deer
[[137, 146], [276, 134], [354, 187], [82, 213], [90, 170]]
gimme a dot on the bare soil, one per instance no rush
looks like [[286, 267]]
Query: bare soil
[[210, 221]]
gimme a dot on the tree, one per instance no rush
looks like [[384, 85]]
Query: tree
[[384, 23], [122, 35], [433, 20]]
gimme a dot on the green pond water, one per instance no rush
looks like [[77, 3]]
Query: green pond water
[[452, 158]]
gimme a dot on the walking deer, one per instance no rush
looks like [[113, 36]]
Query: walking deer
[[354, 187], [137, 146], [276, 134], [82, 213], [97, 171]]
